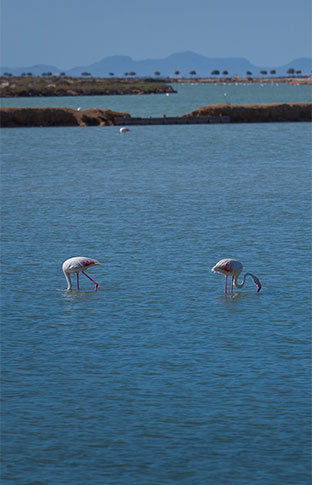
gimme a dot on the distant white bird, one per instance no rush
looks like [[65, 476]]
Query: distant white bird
[[77, 265], [124, 130], [231, 267], [79, 109]]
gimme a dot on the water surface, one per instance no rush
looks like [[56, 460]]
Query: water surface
[[157, 377], [188, 98]]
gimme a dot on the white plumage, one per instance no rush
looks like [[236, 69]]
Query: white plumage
[[231, 267], [76, 265]]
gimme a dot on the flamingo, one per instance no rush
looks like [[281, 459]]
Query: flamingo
[[124, 130], [231, 267], [75, 265]]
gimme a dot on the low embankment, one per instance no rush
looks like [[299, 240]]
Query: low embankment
[[257, 113], [30, 117], [218, 113], [29, 86]]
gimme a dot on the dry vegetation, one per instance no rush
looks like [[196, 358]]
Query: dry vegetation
[[20, 86]]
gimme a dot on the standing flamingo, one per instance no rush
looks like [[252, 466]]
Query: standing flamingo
[[75, 265], [231, 267]]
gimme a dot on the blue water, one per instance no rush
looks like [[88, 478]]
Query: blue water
[[187, 98], [158, 377]]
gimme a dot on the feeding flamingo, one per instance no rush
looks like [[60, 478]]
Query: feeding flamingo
[[77, 265], [231, 267]]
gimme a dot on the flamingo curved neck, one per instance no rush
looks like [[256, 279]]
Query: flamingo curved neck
[[240, 285], [69, 283]]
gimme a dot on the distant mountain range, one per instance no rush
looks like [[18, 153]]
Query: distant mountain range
[[184, 62]]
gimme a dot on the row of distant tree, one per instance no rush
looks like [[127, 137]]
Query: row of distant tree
[[192, 73]]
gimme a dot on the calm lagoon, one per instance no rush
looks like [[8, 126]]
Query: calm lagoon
[[157, 377]]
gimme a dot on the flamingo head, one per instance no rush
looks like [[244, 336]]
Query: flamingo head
[[259, 286]]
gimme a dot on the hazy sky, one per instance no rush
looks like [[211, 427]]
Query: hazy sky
[[69, 33]]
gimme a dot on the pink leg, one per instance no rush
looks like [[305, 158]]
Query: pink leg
[[77, 281], [225, 289], [96, 284], [232, 284]]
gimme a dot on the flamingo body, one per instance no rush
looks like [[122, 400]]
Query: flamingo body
[[77, 265], [231, 267], [124, 130]]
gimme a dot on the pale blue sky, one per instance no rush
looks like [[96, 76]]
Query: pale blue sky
[[68, 33]]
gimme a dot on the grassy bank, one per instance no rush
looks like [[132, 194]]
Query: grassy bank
[[20, 86]]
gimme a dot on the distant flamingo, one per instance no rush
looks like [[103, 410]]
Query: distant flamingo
[[124, 130], [231, 267], [75, 265]]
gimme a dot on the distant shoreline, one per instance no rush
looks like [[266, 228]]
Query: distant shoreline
[[36, 86], [242, 80], [12, 117]]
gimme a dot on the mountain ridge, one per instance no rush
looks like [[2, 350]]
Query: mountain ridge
[[184, 62]]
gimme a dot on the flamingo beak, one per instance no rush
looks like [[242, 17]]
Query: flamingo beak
[[258, 286]]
